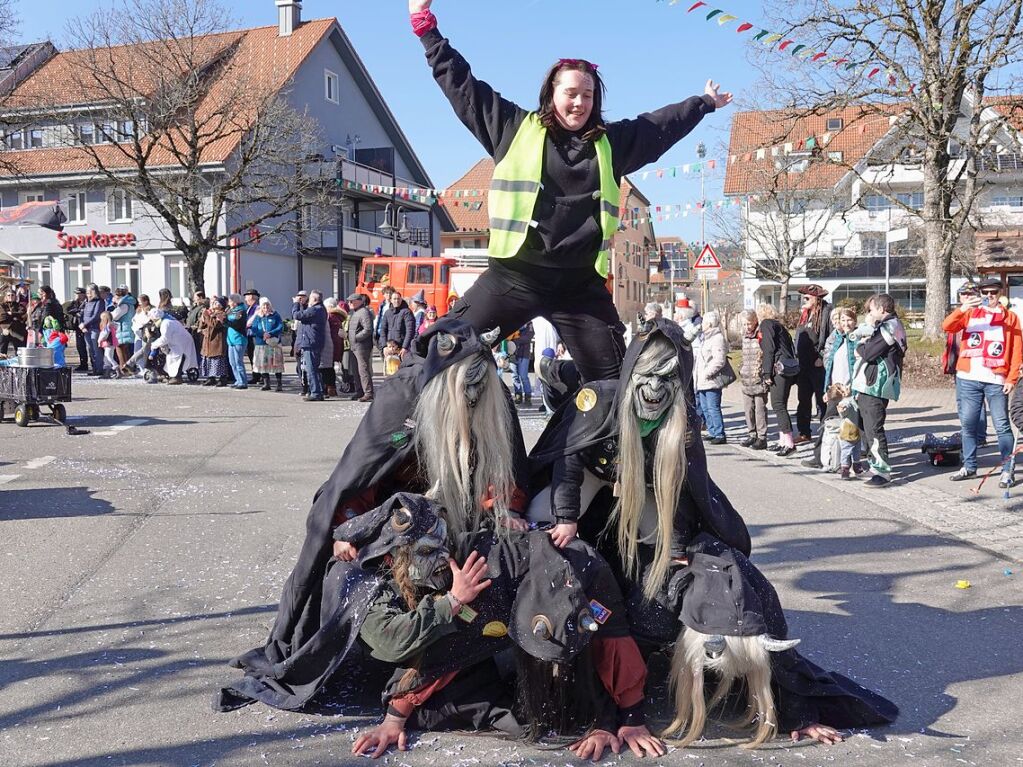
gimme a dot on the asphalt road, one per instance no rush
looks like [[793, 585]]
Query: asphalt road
[[140, 557]]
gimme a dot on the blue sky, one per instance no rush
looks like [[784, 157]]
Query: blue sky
[[650, 54]]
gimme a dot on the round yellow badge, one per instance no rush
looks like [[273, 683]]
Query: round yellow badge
[[495, 629], [586, 400]]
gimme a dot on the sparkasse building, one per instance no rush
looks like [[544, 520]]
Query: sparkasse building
[[111, 239]]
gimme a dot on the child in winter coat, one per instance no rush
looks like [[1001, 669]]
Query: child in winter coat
[[848, 430], [754, 388], [108, 343], [392, 358]]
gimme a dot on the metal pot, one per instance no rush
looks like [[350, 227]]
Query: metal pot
[[35, 357]]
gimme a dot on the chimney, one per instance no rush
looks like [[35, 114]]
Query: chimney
[[289, 16]]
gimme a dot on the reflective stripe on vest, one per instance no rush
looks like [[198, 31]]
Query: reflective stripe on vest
[[516, 185]]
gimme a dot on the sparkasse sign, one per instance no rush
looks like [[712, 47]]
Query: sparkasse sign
[[70, 242]]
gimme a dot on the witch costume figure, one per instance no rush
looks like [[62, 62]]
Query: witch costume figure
[[443, 423], [666, 519], [441, 625]]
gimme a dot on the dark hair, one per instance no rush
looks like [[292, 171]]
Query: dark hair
[[200, 294], [594, 127], [46, 290], [882, 301]]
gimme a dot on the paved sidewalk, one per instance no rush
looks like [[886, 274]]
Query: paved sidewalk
[[991, 519]]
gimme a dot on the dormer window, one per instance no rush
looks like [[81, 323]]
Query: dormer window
[[835, 124]]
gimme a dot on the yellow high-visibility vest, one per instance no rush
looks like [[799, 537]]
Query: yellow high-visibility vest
[[516, 184]]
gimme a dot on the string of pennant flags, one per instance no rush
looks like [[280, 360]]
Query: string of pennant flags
[[807, 53]]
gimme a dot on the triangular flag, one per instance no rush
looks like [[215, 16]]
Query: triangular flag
[[714, 13], [694, 6], [724, 19], [744, 27]]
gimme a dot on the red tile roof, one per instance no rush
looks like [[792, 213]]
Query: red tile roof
[[269, 60], [470, 213]]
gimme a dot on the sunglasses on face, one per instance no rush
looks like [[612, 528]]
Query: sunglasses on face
[[990, 292]]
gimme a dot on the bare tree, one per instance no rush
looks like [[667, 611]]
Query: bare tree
[[9, 23], [165, 88], [934, 68], [782, 224]]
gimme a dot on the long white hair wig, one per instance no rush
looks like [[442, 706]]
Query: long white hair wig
[[743, 658], [669, 474], [466, 452]]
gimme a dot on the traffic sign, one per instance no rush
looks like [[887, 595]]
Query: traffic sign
[[708, 274], [708, 259]]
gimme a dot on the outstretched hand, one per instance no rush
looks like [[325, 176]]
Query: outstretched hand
[[720, 99], [468, 581], [415, 6], [829, 736]]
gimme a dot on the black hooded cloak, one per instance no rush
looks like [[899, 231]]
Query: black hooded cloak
[[380, 459], [586, 429]]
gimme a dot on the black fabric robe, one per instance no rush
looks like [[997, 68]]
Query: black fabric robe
[[288, 670]]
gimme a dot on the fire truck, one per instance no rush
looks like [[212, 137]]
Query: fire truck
[[443, 280]]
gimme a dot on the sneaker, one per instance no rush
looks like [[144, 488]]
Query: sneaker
[[877, 481], [844, 472], [718, 441], [963, 474], [1005, 482], [859, 468], [813, 463], [759, 444], [748, 442]]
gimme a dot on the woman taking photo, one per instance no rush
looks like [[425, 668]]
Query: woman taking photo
[[554, 197]]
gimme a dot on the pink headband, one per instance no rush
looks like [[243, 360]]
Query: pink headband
[[578, 63]]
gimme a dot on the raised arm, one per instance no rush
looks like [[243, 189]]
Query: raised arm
[[645, 139], [492, 119]]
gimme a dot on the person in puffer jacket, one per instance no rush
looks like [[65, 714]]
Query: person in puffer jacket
[[711, 363], [754, 387], [877, 379]]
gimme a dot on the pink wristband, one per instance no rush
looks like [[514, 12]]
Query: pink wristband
[[423, 22]]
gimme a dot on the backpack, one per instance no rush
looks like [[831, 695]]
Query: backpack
[[831, 447]]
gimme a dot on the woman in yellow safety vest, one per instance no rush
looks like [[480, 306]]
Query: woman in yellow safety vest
[[554, 198]]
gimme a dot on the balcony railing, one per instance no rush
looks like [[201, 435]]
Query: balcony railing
[[363, 243], [365, 175]]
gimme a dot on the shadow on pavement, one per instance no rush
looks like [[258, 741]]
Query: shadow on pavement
[[52, 503], [922, 651]]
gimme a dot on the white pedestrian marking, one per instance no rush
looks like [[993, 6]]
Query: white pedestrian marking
[[38, 463], [121, 427], [5, 478]]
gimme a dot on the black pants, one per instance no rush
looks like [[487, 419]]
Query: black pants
[[810, 392], [873, 412], [780, 402], [475, 699], [250, 349], [83, 349], [574, 300], [9, 343]]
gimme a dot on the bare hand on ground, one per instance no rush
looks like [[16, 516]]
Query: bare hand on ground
[[641, 741], [593, 745], [829, 736], [388, 733]]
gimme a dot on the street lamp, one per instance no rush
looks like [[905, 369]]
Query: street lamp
[[388, 229]]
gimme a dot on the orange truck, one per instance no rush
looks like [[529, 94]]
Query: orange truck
[[442, 280]]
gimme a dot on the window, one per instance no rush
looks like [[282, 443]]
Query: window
[[955, 150], [793, 205], [177, 275], [835, 123], [35, 138], [75, 207], [126, 272], [420, 275], [118, 206], [79, 274], [39, 271], [1009, 200], [330, 87], [15, 140], [837, 248], [86, 133], [125, 130], [376, 273], [914, 200], [872, 244], [835, 156], [445, 271], [797, 249], [477, 243], [876, 203], [457, 244], [32, 197]]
